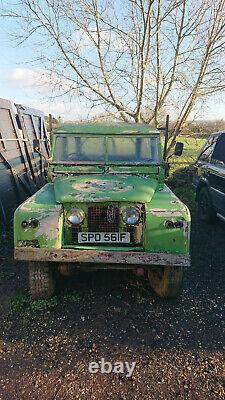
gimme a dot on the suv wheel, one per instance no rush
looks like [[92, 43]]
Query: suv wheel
[[205, 206], [41, 280], [166, 281]]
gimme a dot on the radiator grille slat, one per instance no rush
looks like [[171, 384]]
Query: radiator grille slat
[[98, 220]]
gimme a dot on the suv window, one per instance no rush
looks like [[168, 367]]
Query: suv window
[[208, 149], [218, 156]]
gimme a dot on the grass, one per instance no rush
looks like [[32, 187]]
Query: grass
[[192, 147], [187, 195], [181, 174], [73, 297], [181, 183], [18, 302], [23, 303]]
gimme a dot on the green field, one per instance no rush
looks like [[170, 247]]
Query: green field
[[192, 147], [180, 177]]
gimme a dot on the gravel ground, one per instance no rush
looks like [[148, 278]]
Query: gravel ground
[[46, 347]]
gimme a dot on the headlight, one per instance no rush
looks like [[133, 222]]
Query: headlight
[[75, 216], [130, 215]]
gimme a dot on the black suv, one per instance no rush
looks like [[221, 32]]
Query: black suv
[[209, 179]]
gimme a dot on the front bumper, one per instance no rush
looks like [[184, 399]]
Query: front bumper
[[101, 256]]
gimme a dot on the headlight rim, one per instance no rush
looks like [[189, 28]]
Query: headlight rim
[[70, 212], [123, 210]]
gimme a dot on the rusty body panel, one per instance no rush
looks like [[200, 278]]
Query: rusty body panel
[[102, 256]]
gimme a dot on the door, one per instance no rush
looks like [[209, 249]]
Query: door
[[216, 174]]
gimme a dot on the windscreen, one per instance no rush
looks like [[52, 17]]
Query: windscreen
[[76, 148], [101, 149], [132, 149]]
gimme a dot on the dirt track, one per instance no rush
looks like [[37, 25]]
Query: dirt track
[[45, 349]]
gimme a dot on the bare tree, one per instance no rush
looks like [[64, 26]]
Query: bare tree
[[136, 57]]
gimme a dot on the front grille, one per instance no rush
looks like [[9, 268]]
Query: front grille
[[101, 218], [98, 220]]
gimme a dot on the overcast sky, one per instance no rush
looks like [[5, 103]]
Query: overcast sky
[[20, 83]]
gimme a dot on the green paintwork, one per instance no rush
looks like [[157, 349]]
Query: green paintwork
[[72, 185], [42, 206], [165, 205], [67, 169], [107, 129], [86, 188]]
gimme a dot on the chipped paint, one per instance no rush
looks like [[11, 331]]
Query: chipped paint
[[90, 197], [166, 189], [41, 206], [186, 230], [165, 213], [99, 185], [109, 188], [48, 227], [102, 256]]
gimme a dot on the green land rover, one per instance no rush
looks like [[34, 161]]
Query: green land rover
[[105, 206]]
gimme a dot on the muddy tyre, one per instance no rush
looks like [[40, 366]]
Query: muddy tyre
[[166, 281], [41, 280], [205, 206]]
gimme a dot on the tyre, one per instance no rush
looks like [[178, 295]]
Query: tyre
[[205, 206], [166, 281], [41, 280]]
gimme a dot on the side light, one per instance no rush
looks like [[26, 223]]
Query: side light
[[179, 224], [34, 223], [30, 223], [168, 224], [171, 224]]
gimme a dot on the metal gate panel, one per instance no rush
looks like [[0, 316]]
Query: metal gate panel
[[22, 172]]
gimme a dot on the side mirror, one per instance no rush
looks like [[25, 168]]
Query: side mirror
[[178, 149], [36, 146], [203, 157]]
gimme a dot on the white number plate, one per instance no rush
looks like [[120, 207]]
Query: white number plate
[[102, 237]]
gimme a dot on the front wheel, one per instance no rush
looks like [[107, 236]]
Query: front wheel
[[41, 280], [166, 281]]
